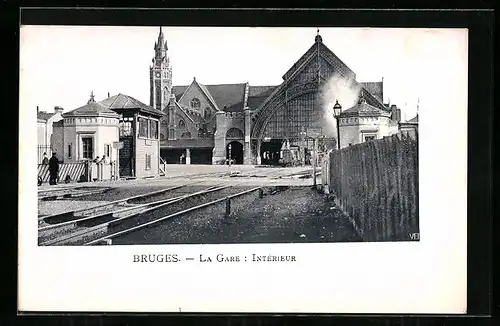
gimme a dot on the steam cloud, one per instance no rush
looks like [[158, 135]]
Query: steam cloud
[[346, 91]]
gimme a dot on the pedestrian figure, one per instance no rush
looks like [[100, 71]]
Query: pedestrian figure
[[96, 160], [45, 159], [53, 169], [104, 160]]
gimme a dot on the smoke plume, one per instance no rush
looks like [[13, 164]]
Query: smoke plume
[[346, 91]]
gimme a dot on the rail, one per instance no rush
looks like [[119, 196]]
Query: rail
[[106, 239], [111, 204], [152, 206]]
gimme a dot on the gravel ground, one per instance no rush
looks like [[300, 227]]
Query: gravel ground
[[61, 206], [296, 214]]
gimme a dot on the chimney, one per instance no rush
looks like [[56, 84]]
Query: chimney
[[108, 94], [58, 109], [37, 109]]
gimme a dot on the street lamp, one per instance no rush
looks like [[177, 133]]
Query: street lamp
[[229, 155], [337, 108], [303, 134]]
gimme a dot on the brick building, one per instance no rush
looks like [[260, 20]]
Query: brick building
[[203, 124]]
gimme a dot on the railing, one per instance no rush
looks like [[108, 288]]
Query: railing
[[376, 185], [163, 166], [80, 171]]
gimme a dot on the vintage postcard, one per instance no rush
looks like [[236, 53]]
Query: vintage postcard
[[238, 169]]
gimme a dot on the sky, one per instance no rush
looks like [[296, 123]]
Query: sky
[[61, 65]]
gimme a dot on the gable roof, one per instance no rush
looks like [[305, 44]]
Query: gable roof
[[208, 95], [374, 88], [122, 102], [258, 94], [43, 115], [91, 109], [363, 109], [326, 53], [178, 91], [231, 96]]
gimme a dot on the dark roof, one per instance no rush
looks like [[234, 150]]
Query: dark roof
[[91, 109], [230, 96], [43, 115], [364, 109], [178, 91], [260, 90], [208, 94], [122, 102], [374, 88]]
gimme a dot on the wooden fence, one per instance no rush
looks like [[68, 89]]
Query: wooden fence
[[91, 171], [376, 185]]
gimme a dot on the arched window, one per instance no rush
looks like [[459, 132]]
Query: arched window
[[182, 124], [207, 113], [234, 133], [186, 135], [195, 103], [158, 97]]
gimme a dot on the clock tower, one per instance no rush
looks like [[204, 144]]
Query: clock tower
[[160, 76]]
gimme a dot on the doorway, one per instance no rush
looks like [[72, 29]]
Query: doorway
[[236, 149], [270, 152], [126, 157]]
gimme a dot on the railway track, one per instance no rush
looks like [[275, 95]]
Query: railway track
[[108, 238], [86, 225], [54, 194]]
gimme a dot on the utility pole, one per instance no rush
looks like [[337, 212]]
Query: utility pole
[[315, 156]]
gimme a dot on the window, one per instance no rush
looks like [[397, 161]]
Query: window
[[186, 135], [88, 148], [148, 162], [107, 150], [201, 133], [69, 151], [171, 134], [369, 138], [154, 129], [162, 136], [158, 97], [182, 124], [143, 127], [195, 103], [126, 126], [207, 113]]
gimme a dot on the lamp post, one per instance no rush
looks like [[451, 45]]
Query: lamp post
[[337, 108], [229, 155], [302, 138]]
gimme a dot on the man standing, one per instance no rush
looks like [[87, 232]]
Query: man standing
[[45, 159], [53, 169]]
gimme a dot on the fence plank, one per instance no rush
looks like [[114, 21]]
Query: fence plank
[[377, 184]]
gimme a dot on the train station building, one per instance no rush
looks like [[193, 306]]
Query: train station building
[[207, 124]]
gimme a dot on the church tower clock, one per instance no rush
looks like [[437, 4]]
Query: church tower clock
[[160, 76]]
